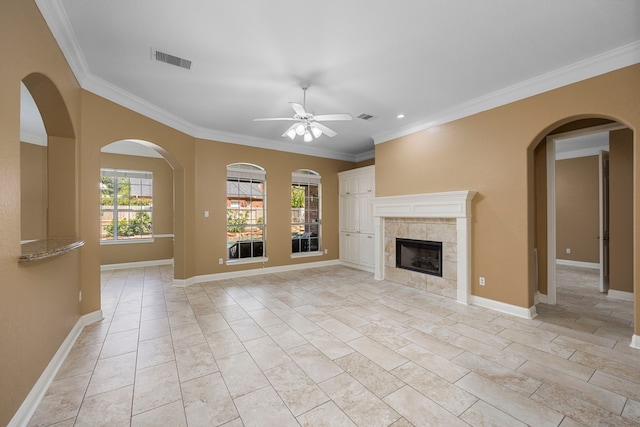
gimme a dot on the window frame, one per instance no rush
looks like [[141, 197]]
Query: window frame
[[306, 178], [249, 175], [117, 173]]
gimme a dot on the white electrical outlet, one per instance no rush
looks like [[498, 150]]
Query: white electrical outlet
[[220, 261], [326, 251], [80, 296], [568, 250], [482, 281], [206, 214]]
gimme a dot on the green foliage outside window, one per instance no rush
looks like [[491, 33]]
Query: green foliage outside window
[[138, 226], [236, 220], [297, 197]]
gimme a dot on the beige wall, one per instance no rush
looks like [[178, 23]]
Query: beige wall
[[38, 300], [161, 248], [621, 210], [212, 159], [492, 153], [33, 191], [577, 209]]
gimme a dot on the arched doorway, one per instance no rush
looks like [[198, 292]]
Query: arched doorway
[[550, 250], [137, 205]]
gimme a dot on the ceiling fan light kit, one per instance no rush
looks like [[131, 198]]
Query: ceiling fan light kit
[[308, 125]]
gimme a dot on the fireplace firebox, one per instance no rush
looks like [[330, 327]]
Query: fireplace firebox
[[423, 256]]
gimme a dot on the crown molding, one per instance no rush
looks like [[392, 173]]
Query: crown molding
[[121, 97], [365, 155], [612, 60], [58, 22]]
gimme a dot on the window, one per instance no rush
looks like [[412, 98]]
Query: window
[[126, 205], [305, 211], [246, 222]]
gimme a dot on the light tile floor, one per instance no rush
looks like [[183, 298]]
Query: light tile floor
[[333, 347]]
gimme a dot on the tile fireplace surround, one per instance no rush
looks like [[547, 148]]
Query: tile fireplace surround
[[443, 217]]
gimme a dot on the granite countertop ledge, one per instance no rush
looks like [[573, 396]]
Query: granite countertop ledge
[[48, 248]]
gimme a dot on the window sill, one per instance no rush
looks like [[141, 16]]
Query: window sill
[[306, 254], [253, 260], [126, 242]]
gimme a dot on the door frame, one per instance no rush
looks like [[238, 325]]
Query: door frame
[[551, 198]]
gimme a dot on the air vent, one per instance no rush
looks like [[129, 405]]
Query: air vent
[[364, 116], [173, 60]]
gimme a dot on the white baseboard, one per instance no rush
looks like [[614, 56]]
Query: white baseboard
[[183, 283], [584, 264], [635, 342], [358, 266], [543, 298], [33, 399], [514, 310], [622, 295], [138, 264]]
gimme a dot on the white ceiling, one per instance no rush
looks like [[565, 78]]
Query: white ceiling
[[432, 60]]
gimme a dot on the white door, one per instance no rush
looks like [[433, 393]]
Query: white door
[[604, 221]]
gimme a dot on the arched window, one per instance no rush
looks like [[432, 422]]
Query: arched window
[[246, 211], [305, 212]]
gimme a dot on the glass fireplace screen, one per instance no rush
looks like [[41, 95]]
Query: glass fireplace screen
[[423, 256]]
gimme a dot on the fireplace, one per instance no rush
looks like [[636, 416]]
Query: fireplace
[[423, 256], [439, 217]]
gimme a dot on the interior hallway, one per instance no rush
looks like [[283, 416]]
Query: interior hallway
[[332, 346]]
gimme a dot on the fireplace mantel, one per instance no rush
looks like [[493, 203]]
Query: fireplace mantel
[[453, 204]]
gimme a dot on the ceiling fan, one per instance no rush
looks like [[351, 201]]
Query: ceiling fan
[[307, 124]]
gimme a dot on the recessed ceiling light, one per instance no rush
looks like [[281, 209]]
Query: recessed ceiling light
[[400, 116]]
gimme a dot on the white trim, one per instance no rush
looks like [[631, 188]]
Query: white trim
[[137, 264], [606, 62], [249, 260], [602, 205], [584, 264], [365, 155], [584, 152], [453, 204], [33, 399], [109, 242], [539, 297], [358, 266], [551, 220], [58, 22], [551, 197], [621, 295], [514, 310], [163, 236], [183, 283], [635, 342], [306, 254]]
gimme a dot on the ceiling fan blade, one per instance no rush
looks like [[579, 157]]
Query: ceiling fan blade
[[273, 118], [299, 109], [327, 131], [329, 117]]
